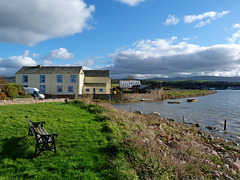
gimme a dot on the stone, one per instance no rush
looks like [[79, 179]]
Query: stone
[[210, 137], [214, 153], [236, 165], [197, 125], [226, 166], [155, 113], [217, 174], [138, 112]]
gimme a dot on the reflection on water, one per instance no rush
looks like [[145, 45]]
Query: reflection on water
[[209, 110]]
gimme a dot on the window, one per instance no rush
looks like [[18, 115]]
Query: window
[[59, 89], [87, 90], [100, 90], [25, 85], [59, 78], [70, 89], [25, 79], [42, 78], [42, 89], [73, 78]]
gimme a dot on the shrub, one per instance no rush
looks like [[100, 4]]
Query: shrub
[[2, 95], [11, 90]]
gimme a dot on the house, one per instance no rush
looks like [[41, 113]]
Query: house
[[96, 82], [64, 80], [129, 83]]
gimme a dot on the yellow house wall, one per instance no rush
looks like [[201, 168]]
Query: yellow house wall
[[51, 83], [106, 89]]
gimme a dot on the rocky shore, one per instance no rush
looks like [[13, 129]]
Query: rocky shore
[[173, 150]]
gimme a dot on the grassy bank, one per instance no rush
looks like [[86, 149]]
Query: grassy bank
[[99, 142], [179, 93]]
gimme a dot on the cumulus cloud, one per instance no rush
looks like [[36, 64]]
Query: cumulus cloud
[[9, 66], [171, 20], [131, 2], [29, 22], [60, 53], [167, 58], [205, 18]]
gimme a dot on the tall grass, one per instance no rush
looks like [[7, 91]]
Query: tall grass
[[85, 144]]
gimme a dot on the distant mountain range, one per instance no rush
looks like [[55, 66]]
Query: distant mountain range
[[202, 78]]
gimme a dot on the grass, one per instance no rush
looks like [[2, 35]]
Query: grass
[[99, 142], [178, 93], [85, 144]]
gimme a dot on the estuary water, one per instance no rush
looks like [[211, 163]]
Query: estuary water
[[209, 110]]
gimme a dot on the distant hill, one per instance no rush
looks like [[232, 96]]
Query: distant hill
[[202, 78]]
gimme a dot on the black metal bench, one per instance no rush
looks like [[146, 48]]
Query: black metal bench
[[44, 141]]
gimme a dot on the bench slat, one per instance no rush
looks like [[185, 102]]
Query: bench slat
[[41, 130]]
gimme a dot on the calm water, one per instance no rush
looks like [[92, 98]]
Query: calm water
[[209, 110]]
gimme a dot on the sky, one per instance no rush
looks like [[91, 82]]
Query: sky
[[141, 38]]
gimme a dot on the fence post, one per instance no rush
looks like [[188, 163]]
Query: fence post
[[225, 125]]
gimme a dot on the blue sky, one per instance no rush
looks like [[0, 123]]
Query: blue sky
[[142, 38]]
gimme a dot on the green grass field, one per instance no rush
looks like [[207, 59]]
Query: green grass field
[[85, 148]]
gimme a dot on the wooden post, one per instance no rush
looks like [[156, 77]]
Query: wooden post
[[225, 125], [183, 119], [130, 109]]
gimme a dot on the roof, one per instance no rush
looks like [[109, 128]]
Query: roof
[[96, 73], [94, 84], [49, 69]]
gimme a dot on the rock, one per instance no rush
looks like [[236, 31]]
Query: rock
[[171, 119], [146, 140], [211, 128], [234, 172], [236, 165], [155, 113], [227, 177], [138, 112], [214, 153], [217, 174], [226, 166], [210, 137], [229, 160], [197, 125]]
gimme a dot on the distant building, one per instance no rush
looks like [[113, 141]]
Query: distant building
[[64, 80], [129, 83]]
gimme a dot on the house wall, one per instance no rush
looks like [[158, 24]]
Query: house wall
[[51, 83], [106, 89]]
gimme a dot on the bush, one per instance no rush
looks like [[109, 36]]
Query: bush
[[11, 90]]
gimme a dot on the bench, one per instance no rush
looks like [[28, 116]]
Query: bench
[[44, 141]]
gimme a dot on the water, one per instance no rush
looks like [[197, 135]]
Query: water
[[209, 110]]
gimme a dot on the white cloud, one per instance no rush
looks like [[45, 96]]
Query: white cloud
[[172, 20], [88, 62], [205, 18], [60, 53], [9, 66], [131, 2], [29, 22], [234, 38], [165, 58], [236, 26]]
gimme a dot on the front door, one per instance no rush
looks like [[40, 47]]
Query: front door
[[42, 89], [94, 91]]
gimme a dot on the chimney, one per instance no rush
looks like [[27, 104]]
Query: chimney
[[39, 66]]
